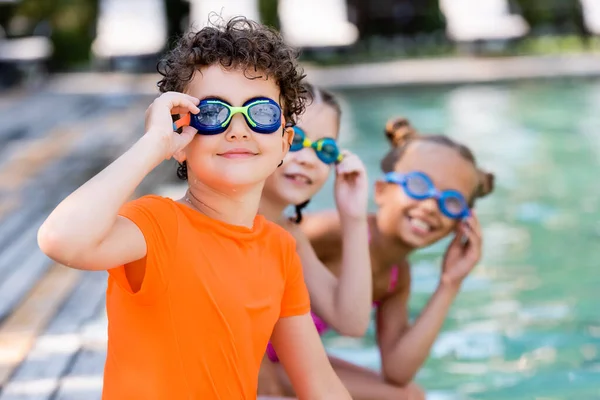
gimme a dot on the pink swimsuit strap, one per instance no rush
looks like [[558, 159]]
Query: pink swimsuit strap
[[322, 326]]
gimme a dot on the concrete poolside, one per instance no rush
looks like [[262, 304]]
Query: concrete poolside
[[431, 71]]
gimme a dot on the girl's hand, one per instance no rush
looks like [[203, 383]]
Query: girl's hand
[[461, 257], [351, 187]]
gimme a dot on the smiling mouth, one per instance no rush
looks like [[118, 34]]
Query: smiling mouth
[[242, 153], [299, 178], [419, 226]]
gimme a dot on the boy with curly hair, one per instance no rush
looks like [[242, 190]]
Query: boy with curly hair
[[197, 286]]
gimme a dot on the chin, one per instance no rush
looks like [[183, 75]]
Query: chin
[[291, 194], [298, 200], [230, 181], [241, 181], [413, 242]]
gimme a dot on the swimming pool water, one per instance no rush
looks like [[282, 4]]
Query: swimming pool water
[[527, 322]]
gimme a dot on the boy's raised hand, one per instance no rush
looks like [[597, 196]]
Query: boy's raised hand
[[159, 121]]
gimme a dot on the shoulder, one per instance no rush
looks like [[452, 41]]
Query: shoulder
[[151, 213], [152, 204], [152, 201], [278, 234], [320, 225]]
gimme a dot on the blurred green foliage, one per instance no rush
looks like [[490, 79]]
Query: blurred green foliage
[[72, 24], [268, 12], [549, 14]]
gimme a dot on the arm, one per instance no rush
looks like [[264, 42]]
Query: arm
[[344, 302], [404, 349], [85, 231], [302, 355]]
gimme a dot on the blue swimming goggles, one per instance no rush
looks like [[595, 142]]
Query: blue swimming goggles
[[419, 186], [326, 148], [263, 115]]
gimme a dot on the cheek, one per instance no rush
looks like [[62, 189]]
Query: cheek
[[271, 145], [288, 157], [202, 145], [320, 176], [196, 150], [397, 202], [390, 210], [448, 226], [272, 183]]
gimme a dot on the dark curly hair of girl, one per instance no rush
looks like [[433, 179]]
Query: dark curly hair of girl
[[237, 44]]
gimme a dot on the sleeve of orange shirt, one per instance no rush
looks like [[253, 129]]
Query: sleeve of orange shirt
[[157, 220], [295, 297]]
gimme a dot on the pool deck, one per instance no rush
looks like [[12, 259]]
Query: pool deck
[[52, 319], [419, 72]]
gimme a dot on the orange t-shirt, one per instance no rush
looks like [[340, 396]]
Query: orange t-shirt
[[211, 295]]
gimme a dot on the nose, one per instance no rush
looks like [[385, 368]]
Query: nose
[[306, 157], [237, 129], [429, 205]]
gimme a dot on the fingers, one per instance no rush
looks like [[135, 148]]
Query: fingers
[[178, 103], [474, 222], [473, 235], [186, 136], [473, 226], [456, 241], [350, 164]]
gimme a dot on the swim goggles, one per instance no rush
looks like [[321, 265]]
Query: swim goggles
[[326, 148], [262, 115], [417, 185]]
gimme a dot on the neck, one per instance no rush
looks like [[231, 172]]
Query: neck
[[271, 209], [234, 207], [392, 248]]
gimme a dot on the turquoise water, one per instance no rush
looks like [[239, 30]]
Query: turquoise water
[[527, 323]]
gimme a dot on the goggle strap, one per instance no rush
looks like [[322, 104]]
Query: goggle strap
[[183, 121]]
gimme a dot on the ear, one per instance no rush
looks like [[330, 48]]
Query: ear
[[288, 138], [380, 187]]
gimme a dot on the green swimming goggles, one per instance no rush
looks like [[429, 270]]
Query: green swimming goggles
[[263, 115], [326, 148]]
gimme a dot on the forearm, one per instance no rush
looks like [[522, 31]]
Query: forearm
[[401, 363], [86, 216], [353, 293], [331, 387]]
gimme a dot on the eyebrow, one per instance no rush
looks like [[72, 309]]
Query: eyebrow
[[215, 97], [323, 137]]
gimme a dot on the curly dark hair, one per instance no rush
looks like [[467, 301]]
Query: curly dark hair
[[240, 44]]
